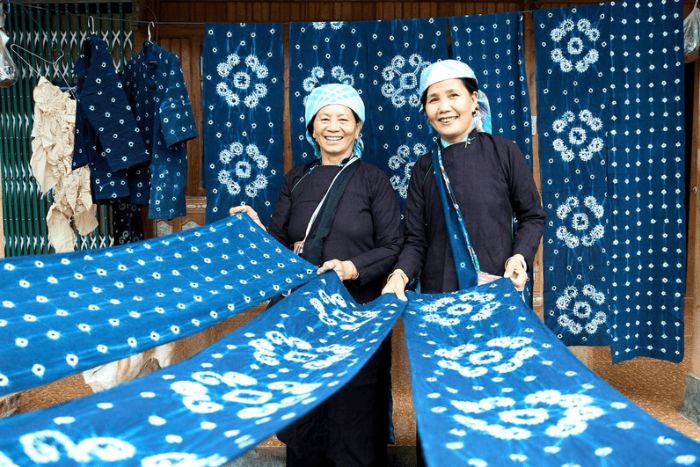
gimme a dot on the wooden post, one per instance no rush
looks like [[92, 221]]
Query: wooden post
[[691, 401]]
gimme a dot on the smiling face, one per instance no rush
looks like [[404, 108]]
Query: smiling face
[[335, 130], [449, 107]]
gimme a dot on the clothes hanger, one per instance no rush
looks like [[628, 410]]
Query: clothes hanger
[[54, 63], [91, 24]]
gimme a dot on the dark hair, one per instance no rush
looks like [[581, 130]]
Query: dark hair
[[469, 83], [310, 126]]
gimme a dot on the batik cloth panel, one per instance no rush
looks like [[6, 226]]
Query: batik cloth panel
[[242, 101], [398, 51], [647, 182], [573, 71], [493, 46], [222, 402], [322, 53], [493, 386], [62, 314]]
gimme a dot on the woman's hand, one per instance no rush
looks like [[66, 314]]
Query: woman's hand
[[346, 270], [396, 283], [516, 270], [248, 210]]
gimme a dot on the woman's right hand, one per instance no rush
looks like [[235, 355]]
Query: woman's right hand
[[396, 284], [248, 210]]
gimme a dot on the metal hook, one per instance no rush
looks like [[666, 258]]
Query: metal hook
[[91, 24], [149, 30]]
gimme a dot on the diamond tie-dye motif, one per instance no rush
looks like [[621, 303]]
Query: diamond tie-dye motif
[[492, 385], [217, 405], [61, 314], [398, 51], [242, 87], [572, 53], [323, 53]]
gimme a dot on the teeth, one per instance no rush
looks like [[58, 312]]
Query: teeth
[[333, 138]]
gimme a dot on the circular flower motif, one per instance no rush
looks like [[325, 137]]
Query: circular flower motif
[[316, 76], [239, 86], [505, 418], [403, 162], [579, 54], [401, 85], [578, 310], [582, 227], [577, 136], [242, 161]]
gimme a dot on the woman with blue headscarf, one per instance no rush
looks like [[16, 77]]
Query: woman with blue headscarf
[[463, 196], [341, 213]]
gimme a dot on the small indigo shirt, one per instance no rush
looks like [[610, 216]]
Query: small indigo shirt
[[156, 87]]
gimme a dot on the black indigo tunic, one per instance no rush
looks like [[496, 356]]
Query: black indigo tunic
[[366, 228], [493, 184]]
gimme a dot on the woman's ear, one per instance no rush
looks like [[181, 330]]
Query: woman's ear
[[358, 129]]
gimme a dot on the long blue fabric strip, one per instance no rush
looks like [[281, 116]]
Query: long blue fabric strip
[[463, 255], [61, 314], [493, 386], [220, 403], [573, 51], [493, 45], [323, 53], [647, 182], [397, 53], [242, 98]]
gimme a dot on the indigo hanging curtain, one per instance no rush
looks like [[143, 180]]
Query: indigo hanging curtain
[[217, 405], [492, 385], [493, 46], [322, 53], [646, 176], [573, 71], [398, 51], [242, 98]]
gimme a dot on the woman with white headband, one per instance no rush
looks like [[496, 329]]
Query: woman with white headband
[[341, 214], [463, 196]]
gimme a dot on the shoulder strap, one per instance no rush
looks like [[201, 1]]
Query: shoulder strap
[[321, 224]]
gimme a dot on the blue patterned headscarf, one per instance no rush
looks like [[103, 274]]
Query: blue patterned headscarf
[[334, 94], [450, 69]]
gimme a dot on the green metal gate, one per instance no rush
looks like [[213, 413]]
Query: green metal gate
[[54, 32]]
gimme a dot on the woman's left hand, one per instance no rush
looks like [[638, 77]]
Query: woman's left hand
[[516, 271], [346, 270]]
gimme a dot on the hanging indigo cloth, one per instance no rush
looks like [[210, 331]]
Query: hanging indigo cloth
[[217, 405], [242, 69], [398, 51], [322, 53], [107, 136], [646, 176], [573, 69], [61, 314], [154, 82], [493, 386], [493, 46]]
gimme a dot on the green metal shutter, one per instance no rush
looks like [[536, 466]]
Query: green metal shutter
[[47, 30]]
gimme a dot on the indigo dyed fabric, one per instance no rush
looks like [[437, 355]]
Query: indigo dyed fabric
[[323, 53], [646, 177], [398, 51], [61, 314], [222, 402], [573, 70], [154, 81], [242, 85], [493, 46], [493, 386], [107, 136]]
